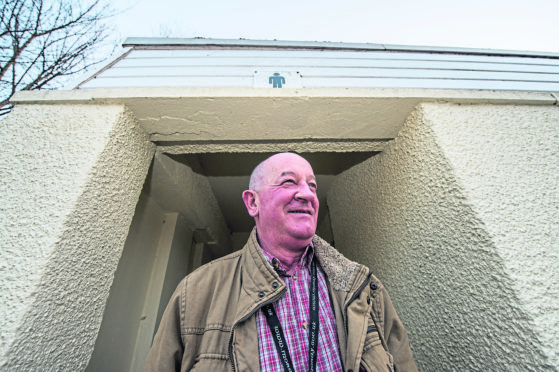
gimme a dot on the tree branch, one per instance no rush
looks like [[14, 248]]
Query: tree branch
[[40, 44]]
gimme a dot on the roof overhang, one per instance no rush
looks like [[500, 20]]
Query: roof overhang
[[206, 43], [177, 116]]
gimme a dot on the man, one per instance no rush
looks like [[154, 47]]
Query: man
[[287, 301]]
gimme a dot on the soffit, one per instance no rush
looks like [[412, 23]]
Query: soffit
[[271, 118], [197, 117]]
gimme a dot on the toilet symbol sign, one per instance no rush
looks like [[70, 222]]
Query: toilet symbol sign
[[276, 80]]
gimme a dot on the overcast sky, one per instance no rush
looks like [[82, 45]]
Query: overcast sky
[[494, 24]]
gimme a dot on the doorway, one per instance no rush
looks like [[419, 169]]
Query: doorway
[[190, 212]]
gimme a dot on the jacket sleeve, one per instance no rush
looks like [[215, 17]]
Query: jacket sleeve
[[397, 338], [167, 349]]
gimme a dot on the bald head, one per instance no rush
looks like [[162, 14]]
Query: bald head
[[256, 176], [259, 173]]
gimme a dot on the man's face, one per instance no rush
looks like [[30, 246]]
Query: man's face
[[287, 205]]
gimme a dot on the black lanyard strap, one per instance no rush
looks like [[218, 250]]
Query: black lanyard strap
[[314, 319], [277, 330]]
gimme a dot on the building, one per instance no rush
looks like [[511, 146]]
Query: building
[[437, 167]]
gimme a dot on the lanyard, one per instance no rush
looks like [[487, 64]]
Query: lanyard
[[277, 330]]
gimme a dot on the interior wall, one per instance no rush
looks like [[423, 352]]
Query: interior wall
[[177, 226], [324, 227], [239, 240], [115, 343], [155, 258], [178, 263], [415, 216], [170, 262], [164, 244], [178, 188]]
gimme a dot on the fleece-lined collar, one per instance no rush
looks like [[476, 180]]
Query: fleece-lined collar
[[339, 270]]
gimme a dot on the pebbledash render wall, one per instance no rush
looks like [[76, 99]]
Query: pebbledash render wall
[[460, 215], [70, 179], [457, 215]]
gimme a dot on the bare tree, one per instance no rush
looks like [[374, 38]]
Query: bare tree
[[43, 41]]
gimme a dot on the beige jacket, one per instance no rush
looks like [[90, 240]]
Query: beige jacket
[[209, 324]]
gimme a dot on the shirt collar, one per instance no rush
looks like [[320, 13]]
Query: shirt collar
[[305, 261]]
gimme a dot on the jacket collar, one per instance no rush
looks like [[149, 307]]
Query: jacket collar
[[339, 270]]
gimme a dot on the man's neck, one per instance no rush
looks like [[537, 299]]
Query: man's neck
[[289, 260], [289, 257]]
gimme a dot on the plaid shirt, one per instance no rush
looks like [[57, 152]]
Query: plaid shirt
[[293, 313]]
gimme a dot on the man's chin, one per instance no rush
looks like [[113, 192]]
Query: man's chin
[[305, 235]]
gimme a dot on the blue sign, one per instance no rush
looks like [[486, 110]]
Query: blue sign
[[277, 80]]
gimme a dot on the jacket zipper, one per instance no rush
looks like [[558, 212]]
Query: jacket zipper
[[355, 295], [242, 320]]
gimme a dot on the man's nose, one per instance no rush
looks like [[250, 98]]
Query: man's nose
[[304, 191]]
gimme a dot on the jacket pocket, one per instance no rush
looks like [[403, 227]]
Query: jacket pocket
[[211, 362], [375, 357]]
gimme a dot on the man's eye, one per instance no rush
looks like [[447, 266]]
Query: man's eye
[[290, 181]]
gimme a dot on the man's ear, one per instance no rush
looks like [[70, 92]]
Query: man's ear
[[251, 201]]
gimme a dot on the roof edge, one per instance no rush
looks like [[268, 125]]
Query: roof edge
[[156, 42]]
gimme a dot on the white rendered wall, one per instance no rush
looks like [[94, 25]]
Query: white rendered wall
[[459, 217], [70, 177]]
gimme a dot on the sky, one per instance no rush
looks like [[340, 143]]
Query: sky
[[524, 25]]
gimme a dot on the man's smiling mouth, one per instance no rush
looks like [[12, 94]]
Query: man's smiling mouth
[[300, 211]]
